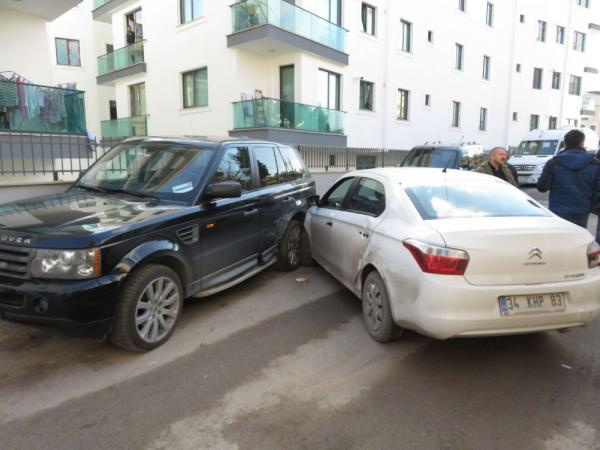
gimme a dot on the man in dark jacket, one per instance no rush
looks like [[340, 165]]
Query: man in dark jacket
[[573, 179], [498, 167]]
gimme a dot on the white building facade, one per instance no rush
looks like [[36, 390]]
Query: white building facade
[[376, 74]]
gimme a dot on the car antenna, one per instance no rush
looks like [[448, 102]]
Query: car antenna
[[445, 169]]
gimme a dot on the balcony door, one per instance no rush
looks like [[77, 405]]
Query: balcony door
[[286, 95], [330, 10], [137, 99]]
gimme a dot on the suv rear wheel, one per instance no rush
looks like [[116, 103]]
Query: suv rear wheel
[[148, 310], [290, 247]]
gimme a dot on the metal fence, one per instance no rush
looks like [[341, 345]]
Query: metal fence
[[28, 155]]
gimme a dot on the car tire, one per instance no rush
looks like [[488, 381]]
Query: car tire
[[290, 246], [138, 300], [306, 258], [377, 314]]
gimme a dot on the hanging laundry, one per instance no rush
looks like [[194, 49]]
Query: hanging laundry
[[8, 94], [21, 96]]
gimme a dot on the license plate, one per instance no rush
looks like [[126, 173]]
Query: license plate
[[516, 305]]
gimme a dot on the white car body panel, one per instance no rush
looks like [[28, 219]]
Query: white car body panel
[[444, 306]]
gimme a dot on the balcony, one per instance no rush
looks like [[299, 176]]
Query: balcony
[[103, 9], [124, 127], [276, 26], [289, 122], [122, 62]]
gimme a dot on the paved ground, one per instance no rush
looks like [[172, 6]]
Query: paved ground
[[282, 363]]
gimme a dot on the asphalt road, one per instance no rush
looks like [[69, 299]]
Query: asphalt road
[[283, 362]]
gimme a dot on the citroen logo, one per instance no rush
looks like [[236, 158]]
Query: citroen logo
[[535, 253]]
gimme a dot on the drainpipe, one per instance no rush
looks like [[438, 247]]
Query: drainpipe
[[388, 32], [565, 80]]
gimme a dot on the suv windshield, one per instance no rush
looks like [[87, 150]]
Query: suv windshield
[[167, 171], [471, 199], [432, 157], [541, 148]]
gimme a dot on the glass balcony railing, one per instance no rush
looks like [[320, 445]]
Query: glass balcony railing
[[285, 15], [121, 58], [99, 3], [273, 113], [124, 127]]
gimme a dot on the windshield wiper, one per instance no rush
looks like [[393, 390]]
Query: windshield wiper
[[128, 192], [91, 188]]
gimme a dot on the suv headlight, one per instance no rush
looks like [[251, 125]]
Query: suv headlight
[[66, 264]]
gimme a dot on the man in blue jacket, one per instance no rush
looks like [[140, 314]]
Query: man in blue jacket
[[573, 179]]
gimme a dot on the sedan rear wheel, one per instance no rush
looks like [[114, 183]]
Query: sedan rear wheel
[[377, 314]]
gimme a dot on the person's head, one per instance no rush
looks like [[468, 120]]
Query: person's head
[[574, 139], [128, 29], [498, 156]]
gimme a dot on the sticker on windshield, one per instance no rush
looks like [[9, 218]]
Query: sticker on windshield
[[181, 188]]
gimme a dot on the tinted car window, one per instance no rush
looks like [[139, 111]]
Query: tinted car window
[[432, 157], [471, 199], [267, 165], [368, 197], [293, 166], [235, 166], [536, 148], [335, 197]]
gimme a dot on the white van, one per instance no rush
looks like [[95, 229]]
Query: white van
[[541, 145]]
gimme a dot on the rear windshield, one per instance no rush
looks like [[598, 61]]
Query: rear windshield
[[536, 148], [471, 199], [432, 157]]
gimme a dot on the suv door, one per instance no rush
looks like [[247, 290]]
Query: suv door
[[230, 231], [353, 225]]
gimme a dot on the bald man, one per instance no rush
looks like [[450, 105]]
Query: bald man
[[498, 167]]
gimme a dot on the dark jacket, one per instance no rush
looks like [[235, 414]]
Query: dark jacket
[[130, 37], [487, 168], [573, 179]]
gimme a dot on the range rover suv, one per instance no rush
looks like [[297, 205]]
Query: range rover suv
[[152, 222]]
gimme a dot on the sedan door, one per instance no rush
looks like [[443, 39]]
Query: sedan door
[[321, 221], [353, 225]]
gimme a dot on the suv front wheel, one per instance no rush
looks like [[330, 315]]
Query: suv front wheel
[[148, 310]]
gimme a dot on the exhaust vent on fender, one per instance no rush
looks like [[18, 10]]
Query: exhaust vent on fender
[[189, 235]]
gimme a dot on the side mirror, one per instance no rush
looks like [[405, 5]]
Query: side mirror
[[314, 200], [224, 189]]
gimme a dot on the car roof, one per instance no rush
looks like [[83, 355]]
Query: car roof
[[419, 174], [195, 140]]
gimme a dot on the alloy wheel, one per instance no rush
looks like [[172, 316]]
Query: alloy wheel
[[294, 246], [374, 306], [157, 309]]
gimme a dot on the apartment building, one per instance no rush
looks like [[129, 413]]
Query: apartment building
[[379, 73]]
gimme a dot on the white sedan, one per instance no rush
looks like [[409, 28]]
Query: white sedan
[[453, 253]]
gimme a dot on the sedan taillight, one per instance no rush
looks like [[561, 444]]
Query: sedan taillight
[[593, 255], [435, 259]]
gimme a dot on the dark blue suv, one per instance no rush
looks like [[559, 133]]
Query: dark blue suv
[[150, 223]]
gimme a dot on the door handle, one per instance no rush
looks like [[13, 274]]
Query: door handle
[[329, 224], [250, 212]]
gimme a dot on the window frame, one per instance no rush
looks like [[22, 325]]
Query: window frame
[[459, 56], [406, 36], [489, 14], [536, 71], [552, 122], [560, 34], [572, 84], [252, 181], [365, 8], [182, 21], [455, 114], [67, 40], [483, 119], [183, 88], [556, 79], [462, 5], [541, 36], [579, 41], [354, 188], [403, 105], [360, 95], [344, 202], [531, 121], [486, 67]]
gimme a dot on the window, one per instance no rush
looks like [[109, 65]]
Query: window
[[534, 121], [335, 197], [575, 85], [67, 52], [329, 89], [489, 14], [368, 197], [482, 119], [579, 42], [191, 9], [427, 100], [522, 18], [584, 3], [267, 165], [555, 80], [403, 99], [293, 168], [462, 4], [537, 78], [518, 67], [368, 19], [560, 34], [195, 88], [486, 68], [552, 121], [235, 166], [458, 62], [137, 99], [406, 36], [541, 31], [366, 95], [430, 37], [456, 114], [515, 116]]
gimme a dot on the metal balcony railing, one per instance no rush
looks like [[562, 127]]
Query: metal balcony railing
[[282, 14], [121, 58], [273, 113]]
